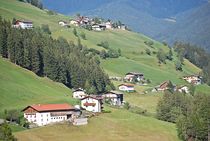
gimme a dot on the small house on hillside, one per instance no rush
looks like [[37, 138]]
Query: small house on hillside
[[164, 86], [23, 24], [43, 114], [96, 27], [193, 79], [79, 93], [122, 27], [74, 23], [130, 76], [62, 23], [92, 103], [115, 97], [183, 89], [126, 87]]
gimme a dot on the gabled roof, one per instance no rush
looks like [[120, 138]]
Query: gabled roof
[[114, 92], [79, 89], [30, 22], [93, 97], [50, 107], [134, 73], [190, 76], [128, 85]]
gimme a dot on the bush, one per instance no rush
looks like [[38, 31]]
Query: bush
[[83, 36], [126, 106], [50, 12], [148, 52], [104, 44], [149, 43], [45, 28], [75, 32]]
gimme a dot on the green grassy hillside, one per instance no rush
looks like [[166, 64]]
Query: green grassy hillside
[[131, 44], [20, 88], [117, 125]]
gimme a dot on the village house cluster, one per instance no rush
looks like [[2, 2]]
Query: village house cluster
[[92, 24], [44, 114], [191, 79]]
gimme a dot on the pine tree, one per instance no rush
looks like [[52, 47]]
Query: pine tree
[[3, 42], [6, 133]]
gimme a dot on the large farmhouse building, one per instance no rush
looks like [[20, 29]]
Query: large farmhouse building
[[23, 24], [130, 76], [92, 103], [126, 87], [43, 114], [115, 98]]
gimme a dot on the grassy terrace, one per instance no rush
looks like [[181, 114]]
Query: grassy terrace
[[117, 125]]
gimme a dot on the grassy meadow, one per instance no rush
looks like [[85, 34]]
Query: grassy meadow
[[117, 125], [131, 44], [20, 88]]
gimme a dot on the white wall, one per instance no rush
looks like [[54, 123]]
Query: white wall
[[125, 88], [96, 108], [45, 118], [79, 94]]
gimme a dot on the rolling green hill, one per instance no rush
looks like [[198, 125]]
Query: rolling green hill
[[131, 44], [20, 88]]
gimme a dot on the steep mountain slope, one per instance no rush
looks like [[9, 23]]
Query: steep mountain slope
[[131, 44], [191, 26], [167, 20], [20, 88]]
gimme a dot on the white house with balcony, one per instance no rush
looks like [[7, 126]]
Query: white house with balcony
[[92, 103], [114, 97]]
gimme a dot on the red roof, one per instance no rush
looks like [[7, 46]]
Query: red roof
[[50, 107], [128, 85]]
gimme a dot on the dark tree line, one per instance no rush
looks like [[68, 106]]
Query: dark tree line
[[73, 65], [190, 113], [197, 56], [37, 3]]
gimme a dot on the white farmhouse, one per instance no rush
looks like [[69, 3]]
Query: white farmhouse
[[183, 89], [130, 76], [96, 27], [126, 87], [74, 22], [49, 113], [92, 103], [79, 93], [23, 24], [193, 79], [62, 23], [115, 97]]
